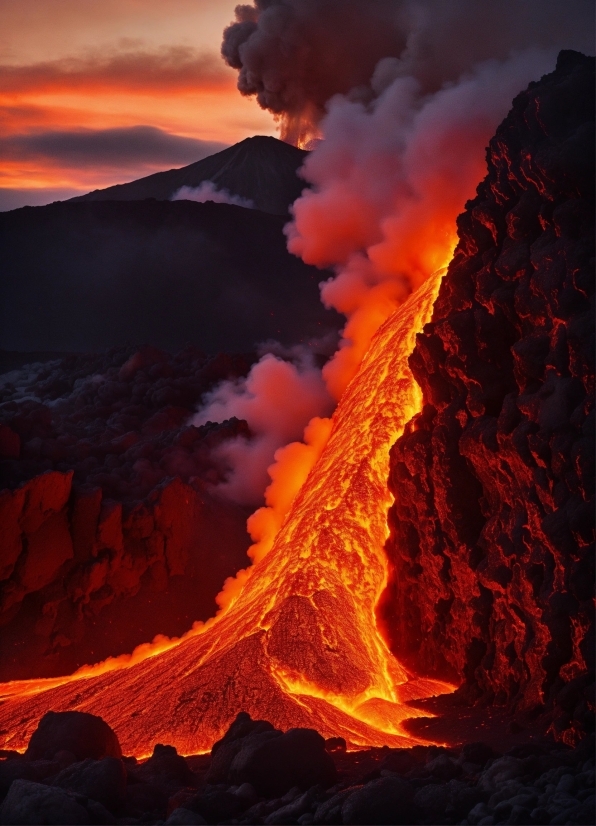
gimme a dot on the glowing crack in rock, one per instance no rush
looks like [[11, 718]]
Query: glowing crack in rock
[[299, 645]]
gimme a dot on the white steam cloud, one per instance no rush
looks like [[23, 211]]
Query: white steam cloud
[[207, 191]]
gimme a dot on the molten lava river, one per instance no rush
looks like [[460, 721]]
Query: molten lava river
[[299, 644]]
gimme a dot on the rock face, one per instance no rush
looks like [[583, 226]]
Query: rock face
[[106, 515], [491, 545]]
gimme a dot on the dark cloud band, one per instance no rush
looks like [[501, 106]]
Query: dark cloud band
[[118, 147]]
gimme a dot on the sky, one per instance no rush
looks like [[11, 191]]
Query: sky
[[99, 92]]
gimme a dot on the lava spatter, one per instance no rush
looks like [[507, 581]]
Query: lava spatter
[[299, 645]]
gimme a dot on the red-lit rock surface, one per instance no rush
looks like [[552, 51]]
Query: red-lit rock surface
[[491, 542], [108, 534]]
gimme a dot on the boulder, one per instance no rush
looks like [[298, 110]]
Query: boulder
[[388, 800], [102, 780], [224, 750], [17, 769], [216, 806], [274, 764], [85, 735], [166, 768], [184, 817], [34, 803], [146, 799]]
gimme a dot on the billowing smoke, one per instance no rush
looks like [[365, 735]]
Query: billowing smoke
[[277, 399], [406, 95], [294, 55], [207, 191], [388, 181]]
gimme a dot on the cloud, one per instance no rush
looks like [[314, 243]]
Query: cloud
[[121, 147], [207, 191], [174, 68]]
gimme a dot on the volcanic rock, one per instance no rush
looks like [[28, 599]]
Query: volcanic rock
[[33, 803], [216, 805], [494, 480], [102, 780], [387, 800], [85, 735], [275, 764], [184, 817], [253, 751], [146, 800], [107, 511], [166, 768], [225, 750]]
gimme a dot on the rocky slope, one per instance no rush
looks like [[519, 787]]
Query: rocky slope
[[491, 544], [73, 772], [108, 533], [260, 169], [86, 276]]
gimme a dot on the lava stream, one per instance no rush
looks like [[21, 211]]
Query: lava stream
[[299, 646]]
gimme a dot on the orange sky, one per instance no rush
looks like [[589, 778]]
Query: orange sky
[[97, 92]]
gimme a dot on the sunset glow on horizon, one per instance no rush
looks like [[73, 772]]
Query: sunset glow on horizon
[[94, 94]]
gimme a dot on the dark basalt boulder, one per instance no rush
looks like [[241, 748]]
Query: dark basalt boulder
[[31, 803], [387, 800], [166, 768], [494, 480], [225, 750], [102, 780], [254, 752], [85, 735], [275, 764]]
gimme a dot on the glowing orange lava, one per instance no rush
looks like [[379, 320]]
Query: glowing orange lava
[[298, 645]]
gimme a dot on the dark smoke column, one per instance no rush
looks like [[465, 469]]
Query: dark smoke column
[[294, 55]]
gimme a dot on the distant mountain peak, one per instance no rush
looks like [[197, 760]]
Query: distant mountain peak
[[260, 169]]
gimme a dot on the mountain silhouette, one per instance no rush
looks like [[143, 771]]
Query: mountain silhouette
[[260, 169]]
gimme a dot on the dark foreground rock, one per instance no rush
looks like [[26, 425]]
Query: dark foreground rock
[[271, 761], [31, 803], [82, 734], [540, 782], [102, 780]]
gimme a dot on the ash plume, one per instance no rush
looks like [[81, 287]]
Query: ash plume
[[294, 55]]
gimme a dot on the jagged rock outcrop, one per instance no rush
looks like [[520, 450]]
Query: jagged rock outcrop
[[491, 545], [108, 532]]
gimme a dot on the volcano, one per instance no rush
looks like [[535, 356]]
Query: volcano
[[491, 532]]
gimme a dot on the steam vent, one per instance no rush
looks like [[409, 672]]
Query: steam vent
[[443, 542]]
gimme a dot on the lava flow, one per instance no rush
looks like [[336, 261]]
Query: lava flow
[[299, 645]]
